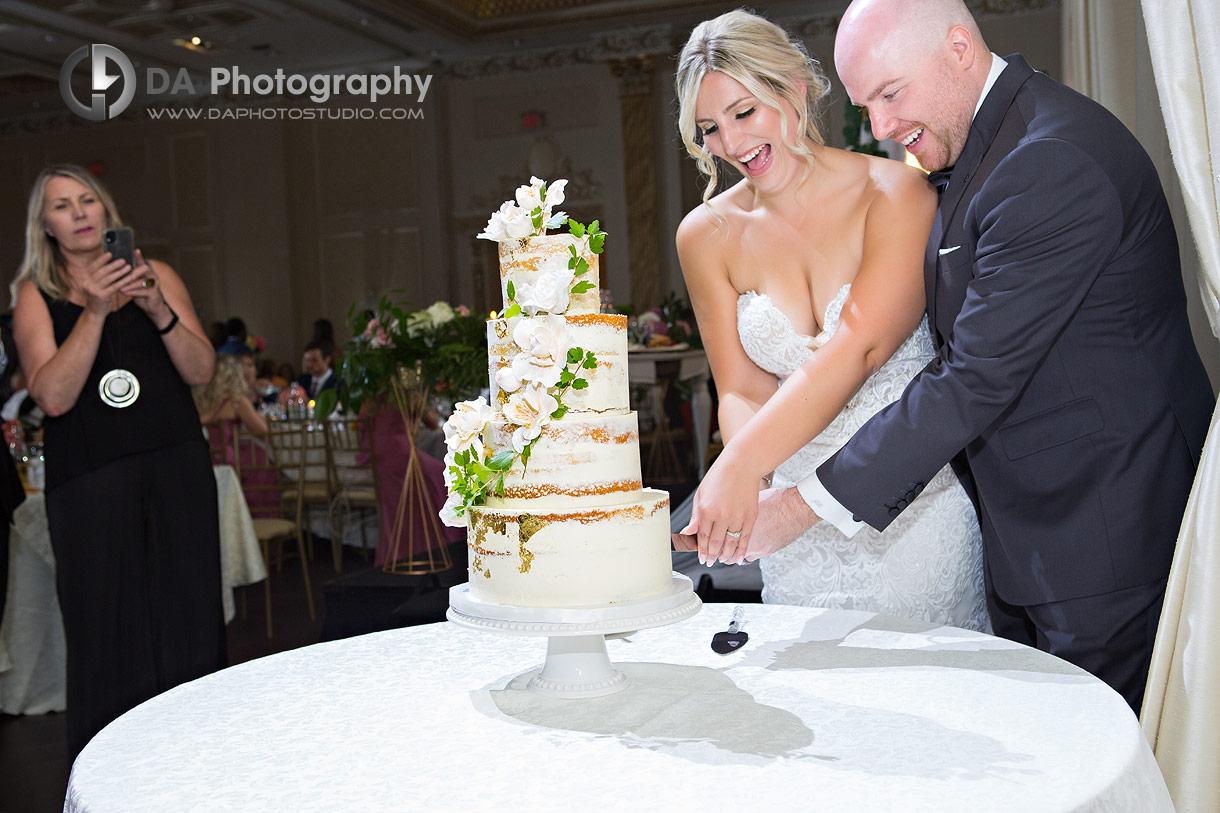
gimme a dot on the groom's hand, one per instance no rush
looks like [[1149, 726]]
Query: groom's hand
[[783, 515], [683, 542]]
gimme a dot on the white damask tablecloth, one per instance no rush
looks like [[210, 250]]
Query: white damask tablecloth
[[32, 649], [827, 710]]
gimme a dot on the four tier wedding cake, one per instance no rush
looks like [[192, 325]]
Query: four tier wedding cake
[[547, 475]]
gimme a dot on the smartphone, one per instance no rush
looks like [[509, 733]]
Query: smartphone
[[120, 243]]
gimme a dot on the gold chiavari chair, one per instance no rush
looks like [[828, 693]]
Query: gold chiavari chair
[[270, 468], [352, 461]]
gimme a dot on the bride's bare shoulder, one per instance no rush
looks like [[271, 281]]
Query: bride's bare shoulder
[[896, 182], [716, 218]]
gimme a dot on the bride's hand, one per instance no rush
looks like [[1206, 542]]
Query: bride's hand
[[723, 511]]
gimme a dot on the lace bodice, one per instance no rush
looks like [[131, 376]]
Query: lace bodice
[[772, 343], [928, 562]]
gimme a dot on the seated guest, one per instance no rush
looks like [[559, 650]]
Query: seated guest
[[218, 333], [236, 340], [229, 397], [284, 375], [318, 373], [226, 402]]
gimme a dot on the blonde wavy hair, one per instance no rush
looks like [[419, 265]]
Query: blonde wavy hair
[[229, 381], [43, 262], [772, 66]]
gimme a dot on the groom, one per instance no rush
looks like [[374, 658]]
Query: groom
[[1067, 392]]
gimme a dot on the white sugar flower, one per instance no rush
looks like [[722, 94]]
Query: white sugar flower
[[554, 193], [529, 196], [507, 380], [517, 222], [514, 220], [496, 229], [465, 426], [510, 222], [530, 409], [450, 460], [550, 294], [449, 514], [544, 348]]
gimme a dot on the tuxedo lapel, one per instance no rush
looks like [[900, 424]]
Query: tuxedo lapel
[[930, 276], [982, 133]]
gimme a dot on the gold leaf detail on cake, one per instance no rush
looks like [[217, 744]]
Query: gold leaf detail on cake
[[612, 320], [533, 490], [528, 525]]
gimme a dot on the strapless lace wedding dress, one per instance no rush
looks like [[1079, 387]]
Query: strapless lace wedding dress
[[928, 564]]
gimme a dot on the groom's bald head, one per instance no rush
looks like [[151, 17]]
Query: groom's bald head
[[919, 66], [908, 27]]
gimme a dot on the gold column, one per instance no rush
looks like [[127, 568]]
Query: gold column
[[639, 171]]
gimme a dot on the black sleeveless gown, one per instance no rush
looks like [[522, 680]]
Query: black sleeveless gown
[[132, 511]]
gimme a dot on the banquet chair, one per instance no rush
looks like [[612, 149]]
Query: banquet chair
[[352, 462], [314, 474], [269, 467], [214, 431]]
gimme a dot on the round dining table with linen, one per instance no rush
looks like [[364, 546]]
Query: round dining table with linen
[[33, 652], [820, 709]]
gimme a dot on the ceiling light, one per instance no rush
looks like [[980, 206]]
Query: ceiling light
[[196, 44]]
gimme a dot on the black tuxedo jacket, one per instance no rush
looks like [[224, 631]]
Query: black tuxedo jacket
[[306, 381], [1067, 391]]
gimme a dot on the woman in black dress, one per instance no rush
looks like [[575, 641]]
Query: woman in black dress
[[110, 353]]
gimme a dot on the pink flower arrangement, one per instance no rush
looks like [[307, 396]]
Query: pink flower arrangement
[[377, 335]]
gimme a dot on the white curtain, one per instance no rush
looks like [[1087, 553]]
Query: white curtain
[[1169, 78], [1181, 713]]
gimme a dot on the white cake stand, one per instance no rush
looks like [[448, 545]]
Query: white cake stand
[[576, 661]]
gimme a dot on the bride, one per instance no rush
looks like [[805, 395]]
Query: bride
[[808, 273]]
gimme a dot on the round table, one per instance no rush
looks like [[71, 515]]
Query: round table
[[834, 710]]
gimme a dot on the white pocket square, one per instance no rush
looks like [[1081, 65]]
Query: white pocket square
[[949, 250]]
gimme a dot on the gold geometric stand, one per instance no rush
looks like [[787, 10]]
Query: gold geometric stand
[[418, 556]]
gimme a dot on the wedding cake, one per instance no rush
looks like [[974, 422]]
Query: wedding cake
[[547, 475]]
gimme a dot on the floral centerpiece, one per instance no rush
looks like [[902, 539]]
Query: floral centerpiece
[[445, 345], [546, 366], [671, 323]]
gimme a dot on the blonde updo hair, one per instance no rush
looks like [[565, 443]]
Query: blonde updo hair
[[43, 262], [767, 62], [228, 381]]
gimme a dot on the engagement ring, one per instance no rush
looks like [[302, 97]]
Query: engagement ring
[[734, 534]]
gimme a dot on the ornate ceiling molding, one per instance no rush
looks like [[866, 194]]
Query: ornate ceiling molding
[[665, 41], [658, 40]]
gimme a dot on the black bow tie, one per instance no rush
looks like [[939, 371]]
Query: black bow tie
[[940, 179]]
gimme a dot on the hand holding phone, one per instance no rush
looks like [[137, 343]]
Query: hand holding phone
[[120, 242]]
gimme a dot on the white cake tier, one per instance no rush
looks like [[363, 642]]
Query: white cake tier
[[524, 261], [581, 461], [576, 557], [603, 334]]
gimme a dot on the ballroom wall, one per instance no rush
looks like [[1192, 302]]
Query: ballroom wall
[[284, 222]]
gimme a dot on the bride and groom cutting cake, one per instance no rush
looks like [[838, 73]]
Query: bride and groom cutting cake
[[974, 401]]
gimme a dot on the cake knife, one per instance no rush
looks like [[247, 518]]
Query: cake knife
[[733, 638]]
